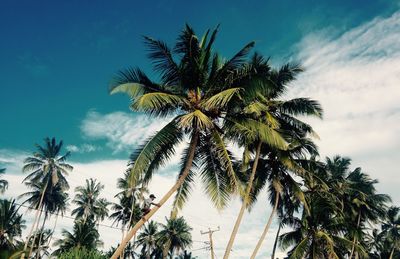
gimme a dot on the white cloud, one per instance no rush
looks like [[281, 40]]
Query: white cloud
[[356, 77], [121, 130], [82, 149]]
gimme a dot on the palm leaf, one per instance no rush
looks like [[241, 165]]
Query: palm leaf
[[157, 103], [220, 100], [162, 60], [160, 146]]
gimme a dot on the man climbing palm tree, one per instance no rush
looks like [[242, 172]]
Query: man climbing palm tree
[[147, 204]]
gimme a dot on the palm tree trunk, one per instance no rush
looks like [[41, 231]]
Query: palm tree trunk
[[244, 203], [52, 232], [391, 253], [122, 239], [34, 221], [266, 227], [40, 237], [355, 237], [276, 241], [34, 237], [179, 182]]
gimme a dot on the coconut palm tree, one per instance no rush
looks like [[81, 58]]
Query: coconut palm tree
[[363, 205], [262, 121], [3, 183], [391, 230], [48, 166], [195, 91], [40, 245], [54, 199], [90, 206], [278, 168], [147, 239], [186, 255], [174, 236], [11, 224], [84, 235]]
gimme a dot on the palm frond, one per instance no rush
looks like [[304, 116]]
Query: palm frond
[[160, 146], [162, 59]]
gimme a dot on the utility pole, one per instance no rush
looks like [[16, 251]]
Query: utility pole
[[210, 233]]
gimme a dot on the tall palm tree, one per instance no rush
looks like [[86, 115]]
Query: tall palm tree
[[195, 91], [147, 239], [279, 168], [90, 206], [259, 119], [84, 235], [54, 199], [174, 236], [48, 166], [3, 183], [11, 224]]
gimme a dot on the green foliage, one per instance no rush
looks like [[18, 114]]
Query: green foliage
[[11, 224], [81, 253]]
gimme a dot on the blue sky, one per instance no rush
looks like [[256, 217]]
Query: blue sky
[[57, 58]]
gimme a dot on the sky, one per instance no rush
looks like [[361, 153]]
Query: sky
[[58, 57]]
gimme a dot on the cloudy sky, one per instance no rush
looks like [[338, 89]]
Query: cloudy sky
[[57, 58]]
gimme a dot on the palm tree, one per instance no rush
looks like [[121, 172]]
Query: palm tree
[[363, 205], [261, 120], [49, 167], [196, 92], [40, 246], [148, 239], [174, 236], [84, 235], [3, 183], [11, 224], [186, 255], [277, 169], [54, 199], [391, 229], [90, 206]]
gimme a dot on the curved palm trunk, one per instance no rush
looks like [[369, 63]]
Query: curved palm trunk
[[266, 227], [175, 187], [355, 237], [244, 203], [34, 222], [276, 241]]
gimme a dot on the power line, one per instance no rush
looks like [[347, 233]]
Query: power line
[[68, 217]]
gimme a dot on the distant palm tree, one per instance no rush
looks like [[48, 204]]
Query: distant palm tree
[[196, 91], [147, 239], [40, 245], [54, 200], [49, 167], [174, 236], [90, 206], [186, 255], [11, 224], [84, 235], [391, 229], [3, 183]]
